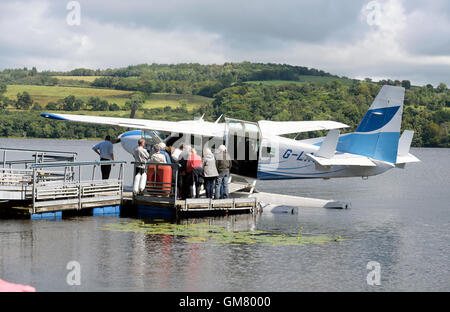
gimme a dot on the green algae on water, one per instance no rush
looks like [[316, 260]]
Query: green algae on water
[[200, 233]]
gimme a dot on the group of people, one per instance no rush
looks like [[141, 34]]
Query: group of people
[[211, 171]]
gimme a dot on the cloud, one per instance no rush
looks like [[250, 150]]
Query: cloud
[[409, 40]]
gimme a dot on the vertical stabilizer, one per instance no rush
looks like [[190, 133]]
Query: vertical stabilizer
[[377, 136]]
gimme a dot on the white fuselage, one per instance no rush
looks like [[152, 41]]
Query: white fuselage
[[290, 162], [287, 161]]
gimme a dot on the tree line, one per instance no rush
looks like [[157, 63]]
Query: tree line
[[426, 108]]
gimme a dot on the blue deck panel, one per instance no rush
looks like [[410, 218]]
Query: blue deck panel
[[106, 211], [47, 215]]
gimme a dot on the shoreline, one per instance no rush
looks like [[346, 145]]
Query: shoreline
[[65, 139]]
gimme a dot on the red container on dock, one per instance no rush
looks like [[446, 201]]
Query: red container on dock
[[159, 183]]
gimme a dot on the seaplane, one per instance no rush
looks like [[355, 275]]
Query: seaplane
[[262, 151]]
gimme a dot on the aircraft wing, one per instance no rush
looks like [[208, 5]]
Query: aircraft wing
[[196, 127], [271, 128]]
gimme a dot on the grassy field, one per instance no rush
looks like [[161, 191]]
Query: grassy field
[[175, 100], [45, 94], [82, 78], [303, 79]]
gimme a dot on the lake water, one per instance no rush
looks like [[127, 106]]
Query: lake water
[[400, 219]]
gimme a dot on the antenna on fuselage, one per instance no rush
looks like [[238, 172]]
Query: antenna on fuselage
[[199, 118], [218, 119]]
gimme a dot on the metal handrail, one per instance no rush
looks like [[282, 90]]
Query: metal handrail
[[36, 150], [155, 163], [77, 164], [39, 155], [79, 183]]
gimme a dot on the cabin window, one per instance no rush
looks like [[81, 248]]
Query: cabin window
[[268, 151]]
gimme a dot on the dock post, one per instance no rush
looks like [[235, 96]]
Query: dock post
[[121, 184], [34, 190], [93, 172], [79, 187], [175, 187]]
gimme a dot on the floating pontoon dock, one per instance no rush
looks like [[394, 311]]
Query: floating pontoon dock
[[53, 181]]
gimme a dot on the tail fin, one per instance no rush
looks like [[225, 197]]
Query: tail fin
[[378, 133]]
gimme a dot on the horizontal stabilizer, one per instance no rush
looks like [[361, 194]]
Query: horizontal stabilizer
[[343, 160], [404, 145], [404, 142], [409, 158], [328, 147]]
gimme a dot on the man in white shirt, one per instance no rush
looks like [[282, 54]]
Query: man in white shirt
[[105, 151], [141, 156]]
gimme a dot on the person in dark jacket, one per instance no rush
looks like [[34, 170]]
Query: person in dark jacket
[[183, 175], [210, 173], [223, 165], [194, 172]]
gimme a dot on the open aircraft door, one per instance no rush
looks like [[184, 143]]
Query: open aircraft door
[[243, 141]]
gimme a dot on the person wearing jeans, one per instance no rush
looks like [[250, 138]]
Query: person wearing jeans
[[209, 172], [223, 164]]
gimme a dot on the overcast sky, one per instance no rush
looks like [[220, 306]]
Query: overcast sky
[[395, 39]]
